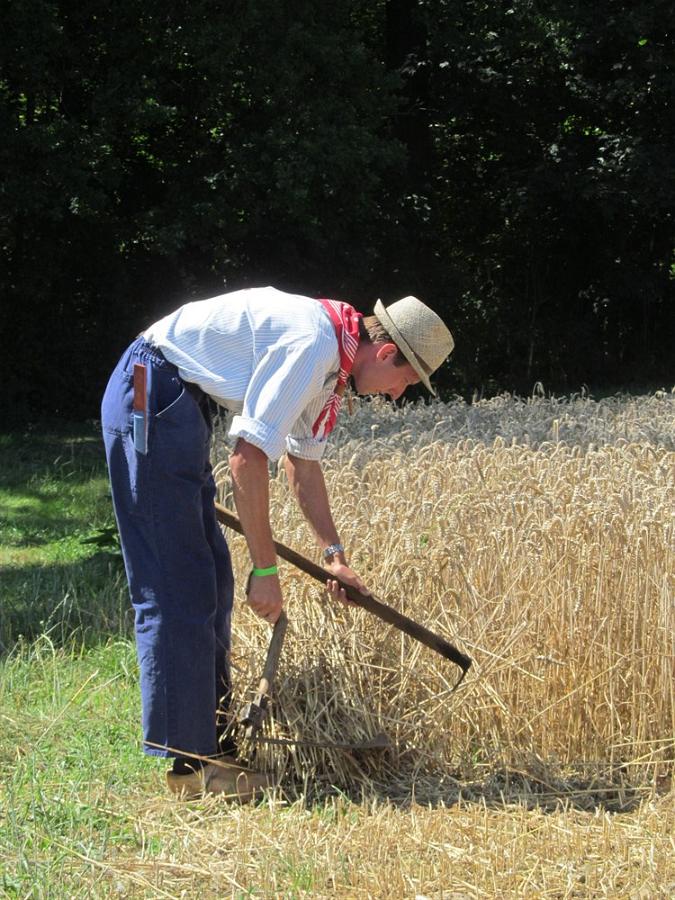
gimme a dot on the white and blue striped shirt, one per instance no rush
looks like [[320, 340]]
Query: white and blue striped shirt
[[269, 357]]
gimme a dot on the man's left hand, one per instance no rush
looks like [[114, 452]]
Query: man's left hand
[[342, 571]]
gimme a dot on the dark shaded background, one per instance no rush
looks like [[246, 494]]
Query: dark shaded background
[[510, 163]]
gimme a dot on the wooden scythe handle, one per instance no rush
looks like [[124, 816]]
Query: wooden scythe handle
[[273, 654], [369, 603]]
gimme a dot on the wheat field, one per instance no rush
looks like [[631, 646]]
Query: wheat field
[[538, 537]]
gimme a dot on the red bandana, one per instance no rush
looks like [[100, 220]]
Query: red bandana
[[345, 320]]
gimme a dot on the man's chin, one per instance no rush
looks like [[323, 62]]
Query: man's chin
[[353, 387]]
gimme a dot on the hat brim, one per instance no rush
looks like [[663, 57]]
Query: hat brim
[[402, 344]]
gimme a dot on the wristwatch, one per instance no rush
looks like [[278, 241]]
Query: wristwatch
[[331, 551]]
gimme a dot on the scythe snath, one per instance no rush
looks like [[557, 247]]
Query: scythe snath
[[368, 602]]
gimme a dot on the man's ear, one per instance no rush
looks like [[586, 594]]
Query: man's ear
[[384, 351]]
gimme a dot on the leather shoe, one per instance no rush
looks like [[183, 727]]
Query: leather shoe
[[224, 777]]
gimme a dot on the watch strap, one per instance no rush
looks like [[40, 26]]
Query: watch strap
[[332, 551]]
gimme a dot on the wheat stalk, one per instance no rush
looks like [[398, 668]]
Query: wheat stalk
[[549, 562]]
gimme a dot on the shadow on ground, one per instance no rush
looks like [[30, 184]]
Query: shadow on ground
[[81, 600], [503, 788]]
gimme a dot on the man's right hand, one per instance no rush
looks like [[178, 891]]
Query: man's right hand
[[264, 597]]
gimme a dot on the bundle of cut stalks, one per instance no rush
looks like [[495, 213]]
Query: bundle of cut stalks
[[550, 562]]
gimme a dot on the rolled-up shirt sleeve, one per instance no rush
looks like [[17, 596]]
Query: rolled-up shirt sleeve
[[287, 381], [301, 441]]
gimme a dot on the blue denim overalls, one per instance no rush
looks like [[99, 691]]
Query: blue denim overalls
[[176, 558]]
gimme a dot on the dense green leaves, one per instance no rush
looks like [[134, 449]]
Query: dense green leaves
[[511, 163], [556, 191]]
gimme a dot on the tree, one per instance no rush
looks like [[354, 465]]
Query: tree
[[155, 152]]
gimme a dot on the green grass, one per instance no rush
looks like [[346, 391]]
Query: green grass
[[69, 735], [60, 572], [69, 755], [53, 492]]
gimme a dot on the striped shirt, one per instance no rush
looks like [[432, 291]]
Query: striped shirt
[[267, 356]]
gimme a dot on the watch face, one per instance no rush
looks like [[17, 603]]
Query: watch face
[[329, 552]]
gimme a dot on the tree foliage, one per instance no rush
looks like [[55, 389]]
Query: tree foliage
[[509, 162]]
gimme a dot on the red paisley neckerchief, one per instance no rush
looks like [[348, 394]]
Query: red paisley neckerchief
[[345, 320]]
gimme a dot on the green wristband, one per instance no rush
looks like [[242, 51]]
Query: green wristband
[[270, 570]]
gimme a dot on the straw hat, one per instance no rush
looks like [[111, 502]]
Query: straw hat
[[419, 334]]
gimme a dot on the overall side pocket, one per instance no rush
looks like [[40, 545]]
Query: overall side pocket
[[116, 406]]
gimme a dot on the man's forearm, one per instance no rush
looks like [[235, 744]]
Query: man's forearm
[[250, 482], [307, 482]]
